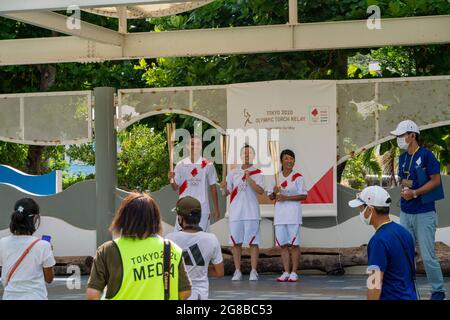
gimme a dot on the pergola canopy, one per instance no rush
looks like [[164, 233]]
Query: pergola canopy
[[147, 6], [149, 10]]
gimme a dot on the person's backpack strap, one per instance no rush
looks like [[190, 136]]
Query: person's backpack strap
[[166, 269], [19, 261]]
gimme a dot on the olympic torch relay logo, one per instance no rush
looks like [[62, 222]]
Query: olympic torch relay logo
[[319, 114], [247, 116]]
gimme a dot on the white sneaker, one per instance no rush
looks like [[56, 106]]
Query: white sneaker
[[284, 277], [237, 276], [254, 275], [293, 277]]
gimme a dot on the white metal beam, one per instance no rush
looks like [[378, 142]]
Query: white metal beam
[[122, 16], [55, 50], [58, 22], [300, 37], [293, 12], [7, 6]]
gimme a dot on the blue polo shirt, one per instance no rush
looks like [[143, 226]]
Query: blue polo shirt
[[425, 159], [386, 252]]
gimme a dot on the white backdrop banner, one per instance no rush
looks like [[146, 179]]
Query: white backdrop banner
[[304, 112]]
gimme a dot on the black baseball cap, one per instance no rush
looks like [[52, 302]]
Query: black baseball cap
[[188, 206]]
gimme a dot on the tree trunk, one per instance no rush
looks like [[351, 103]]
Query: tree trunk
[[388, 165], [342, 64], [34, 158], [340, 170], [48, 74]]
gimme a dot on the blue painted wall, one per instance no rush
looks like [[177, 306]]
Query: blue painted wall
[[40, 185]]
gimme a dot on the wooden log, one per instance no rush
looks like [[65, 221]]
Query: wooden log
[[276, 251], [443, 254], [329, 260], [83, 262], [329, 264]]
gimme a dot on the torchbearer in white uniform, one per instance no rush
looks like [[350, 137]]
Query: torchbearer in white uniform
[[243, 184], [288, 214], [193, 176]]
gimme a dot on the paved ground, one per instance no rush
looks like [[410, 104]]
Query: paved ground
[[310, 287]]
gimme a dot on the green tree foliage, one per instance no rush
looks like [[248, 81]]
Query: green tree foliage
[[83, 152], [144, 160], [355, 172], [438, 141], [13, 154], [402, 62], [360, 166], [54, 159], [69, 180]]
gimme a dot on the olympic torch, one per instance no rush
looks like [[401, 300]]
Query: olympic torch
[[170, 130], [224, 143], [274, 154]]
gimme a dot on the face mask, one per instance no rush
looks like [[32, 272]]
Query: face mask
[[363, 218], [402, 144]]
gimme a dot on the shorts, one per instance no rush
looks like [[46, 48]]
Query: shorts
[[196, 295], [244, 232], [287, 234]]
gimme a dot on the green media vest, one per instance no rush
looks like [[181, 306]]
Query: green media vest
[[142, 261]]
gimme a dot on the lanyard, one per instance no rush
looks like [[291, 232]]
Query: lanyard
[[383, 224], [410, 163]]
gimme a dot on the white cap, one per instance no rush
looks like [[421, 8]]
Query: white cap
[[404, 127], [374, 196]]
